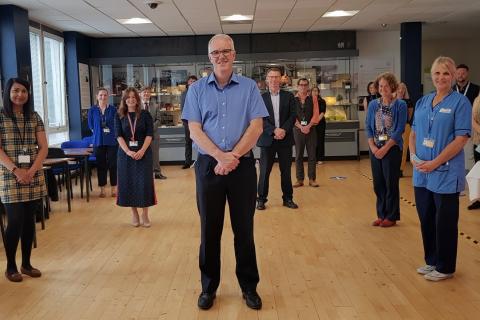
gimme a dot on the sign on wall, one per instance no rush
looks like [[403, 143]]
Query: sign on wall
[[84, 79]]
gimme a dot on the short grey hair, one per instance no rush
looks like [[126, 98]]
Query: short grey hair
[[223, 37]]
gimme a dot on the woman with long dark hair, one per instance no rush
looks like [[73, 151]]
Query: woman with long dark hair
[[134, 132], [372, 91], [23, 148]]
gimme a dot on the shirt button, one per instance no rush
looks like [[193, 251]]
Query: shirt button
[[223, 103], [223, 127], [224, 114]]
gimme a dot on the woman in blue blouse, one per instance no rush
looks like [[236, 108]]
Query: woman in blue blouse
[[385, 123], [441, 128], [101, 120]]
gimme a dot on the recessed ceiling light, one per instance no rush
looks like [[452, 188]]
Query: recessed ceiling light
[[134, 21], [340, 13], [236, 17]]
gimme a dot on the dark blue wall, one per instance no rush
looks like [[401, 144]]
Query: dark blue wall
[[15, 43], [411, 58], [77, 50]]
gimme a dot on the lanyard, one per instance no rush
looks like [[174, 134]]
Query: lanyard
[[132, 127], [431, 117], [466, 89], [17, 131], [103, 116], [381, 106], [436, 109], [302, 106]]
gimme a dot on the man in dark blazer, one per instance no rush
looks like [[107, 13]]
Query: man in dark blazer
[[277, 138]]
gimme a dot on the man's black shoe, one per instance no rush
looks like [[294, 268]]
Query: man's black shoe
[[475, 205], [205, 300], [159, 176], [290, 204], [260, 205], [252, 299]]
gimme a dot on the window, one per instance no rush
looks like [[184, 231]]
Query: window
[[55, 86], [35, 51], [48, 83]]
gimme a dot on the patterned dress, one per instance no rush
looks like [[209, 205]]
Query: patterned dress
[[135, 177], [18, 137]]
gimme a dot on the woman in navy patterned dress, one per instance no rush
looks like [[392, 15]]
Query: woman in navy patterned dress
[[134, 132]]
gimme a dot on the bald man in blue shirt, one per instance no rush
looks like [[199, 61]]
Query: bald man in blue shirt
[[225, 116]]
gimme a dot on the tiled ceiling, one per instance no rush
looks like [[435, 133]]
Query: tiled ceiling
[[442, 18]]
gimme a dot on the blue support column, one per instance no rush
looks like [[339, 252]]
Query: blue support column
[[77, 50], [411, 58], [15, 43]]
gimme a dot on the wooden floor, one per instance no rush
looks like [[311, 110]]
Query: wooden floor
[[322, 261]]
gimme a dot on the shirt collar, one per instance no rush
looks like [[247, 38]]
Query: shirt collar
[[275, 94], [234, 78]]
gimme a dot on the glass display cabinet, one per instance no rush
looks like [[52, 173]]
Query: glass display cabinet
[[337, 80], [335, 77]]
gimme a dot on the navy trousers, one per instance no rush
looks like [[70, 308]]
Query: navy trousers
[[239, 188], [438, 215], [386, 173]]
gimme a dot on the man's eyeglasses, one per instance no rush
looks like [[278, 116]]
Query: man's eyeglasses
[[224, 52], [303, 84]]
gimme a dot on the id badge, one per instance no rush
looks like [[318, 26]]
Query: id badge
[[106, 130], [303, 122], [23, 159], [133, 143], [383, 137], [429, 143]]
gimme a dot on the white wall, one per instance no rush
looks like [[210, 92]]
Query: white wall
[[379, 51], [461, 50]]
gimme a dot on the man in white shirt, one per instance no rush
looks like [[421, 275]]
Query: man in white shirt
[[277, 138]]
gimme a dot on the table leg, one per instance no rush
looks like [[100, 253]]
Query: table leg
[[87, 178], [82, 175], [67, 186]]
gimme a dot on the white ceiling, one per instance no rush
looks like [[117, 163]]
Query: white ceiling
[[442, 18]]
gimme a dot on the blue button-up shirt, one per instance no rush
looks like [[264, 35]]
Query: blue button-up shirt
[[450, 118], [95, 119], [225, 113]]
